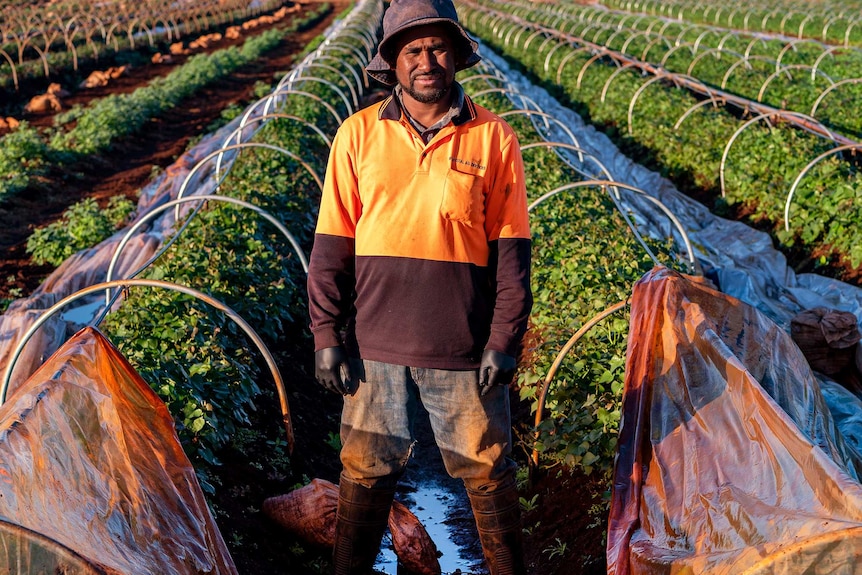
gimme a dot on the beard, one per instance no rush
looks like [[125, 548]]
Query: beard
[[430, 96]]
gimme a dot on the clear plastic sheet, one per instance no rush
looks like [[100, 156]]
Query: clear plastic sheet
[[730, 461], [741, 261], [81, 270], [30, 552], [93, 478], [89, 267]]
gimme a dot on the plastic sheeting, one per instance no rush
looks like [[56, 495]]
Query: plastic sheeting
[[93, 478], [740, 260], [309, 513], [90, 266], [81, 270], [729, 459]]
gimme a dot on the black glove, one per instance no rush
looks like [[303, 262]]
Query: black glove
[[497, 368], [332, 370]]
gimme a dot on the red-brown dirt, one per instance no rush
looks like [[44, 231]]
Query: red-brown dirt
[[259, 546], [130, 164]]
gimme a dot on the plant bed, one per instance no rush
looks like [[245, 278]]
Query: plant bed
[[132, 162], [564, 521]]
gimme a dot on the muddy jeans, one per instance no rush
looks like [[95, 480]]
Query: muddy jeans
[[473, 433]]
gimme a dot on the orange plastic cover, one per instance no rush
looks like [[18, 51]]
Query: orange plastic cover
[[89, 459], [729, 461]]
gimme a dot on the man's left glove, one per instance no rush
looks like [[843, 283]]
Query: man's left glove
[[332, 370], [496, 368]]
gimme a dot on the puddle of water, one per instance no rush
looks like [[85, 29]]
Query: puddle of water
[[433, 504]]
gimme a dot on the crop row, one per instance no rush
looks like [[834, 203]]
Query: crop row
[[586, 257], [189, 353], [753, 164], [199, 362], [805, 76], [835, 21], [36, 40], [26, 153]]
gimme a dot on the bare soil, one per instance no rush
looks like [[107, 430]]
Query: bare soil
[[563, 536]]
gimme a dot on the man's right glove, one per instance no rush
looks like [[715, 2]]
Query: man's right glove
[[332, 370]]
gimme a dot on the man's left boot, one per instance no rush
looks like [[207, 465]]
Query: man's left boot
[[498, 520]]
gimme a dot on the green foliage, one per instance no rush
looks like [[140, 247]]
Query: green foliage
[[14, 293], [585, 258], [227, 115], [101, 49], [117, 116], [196, 359], [83, 225], [317, 40], [528, 505], [657, 128], [23, 155], [757, 17], [333, 440], [69, 115], [558, 550]]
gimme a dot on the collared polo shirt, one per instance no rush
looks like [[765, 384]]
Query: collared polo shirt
[[421, 253]]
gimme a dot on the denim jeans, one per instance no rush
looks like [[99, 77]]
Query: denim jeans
[[473, 433]]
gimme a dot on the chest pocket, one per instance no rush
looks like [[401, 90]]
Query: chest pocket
[[463, 200]]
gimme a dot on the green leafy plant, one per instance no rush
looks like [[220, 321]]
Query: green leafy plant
[[558, 550], [27, 19], [117, 116], [23, 155], [14, 292], [647, 123], [198, 361], [528, 505], [585, 258], [83, 225], [333, 440]]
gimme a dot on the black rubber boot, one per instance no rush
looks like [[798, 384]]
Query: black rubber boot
[[360, 522], [498, 519]]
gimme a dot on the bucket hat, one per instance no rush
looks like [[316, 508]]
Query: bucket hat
[[404, 14]]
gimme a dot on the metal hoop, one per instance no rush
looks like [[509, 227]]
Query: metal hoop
[[244, 325]]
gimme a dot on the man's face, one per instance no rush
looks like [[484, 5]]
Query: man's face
[[425, 63]]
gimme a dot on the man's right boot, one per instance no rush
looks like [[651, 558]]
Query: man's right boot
[[360, 521]]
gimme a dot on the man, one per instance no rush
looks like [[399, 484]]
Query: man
[[419, 286]]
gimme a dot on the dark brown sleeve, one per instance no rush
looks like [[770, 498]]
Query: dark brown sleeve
[[331, 283], [510, 271]]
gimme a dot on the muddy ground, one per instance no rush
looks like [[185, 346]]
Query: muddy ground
[[563, 537]]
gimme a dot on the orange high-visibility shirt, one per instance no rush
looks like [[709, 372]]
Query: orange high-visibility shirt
[[422, 251]]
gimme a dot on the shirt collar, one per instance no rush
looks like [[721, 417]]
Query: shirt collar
[[462, 109]]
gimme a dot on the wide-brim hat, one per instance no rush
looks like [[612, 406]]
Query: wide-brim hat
[[404, 14]]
